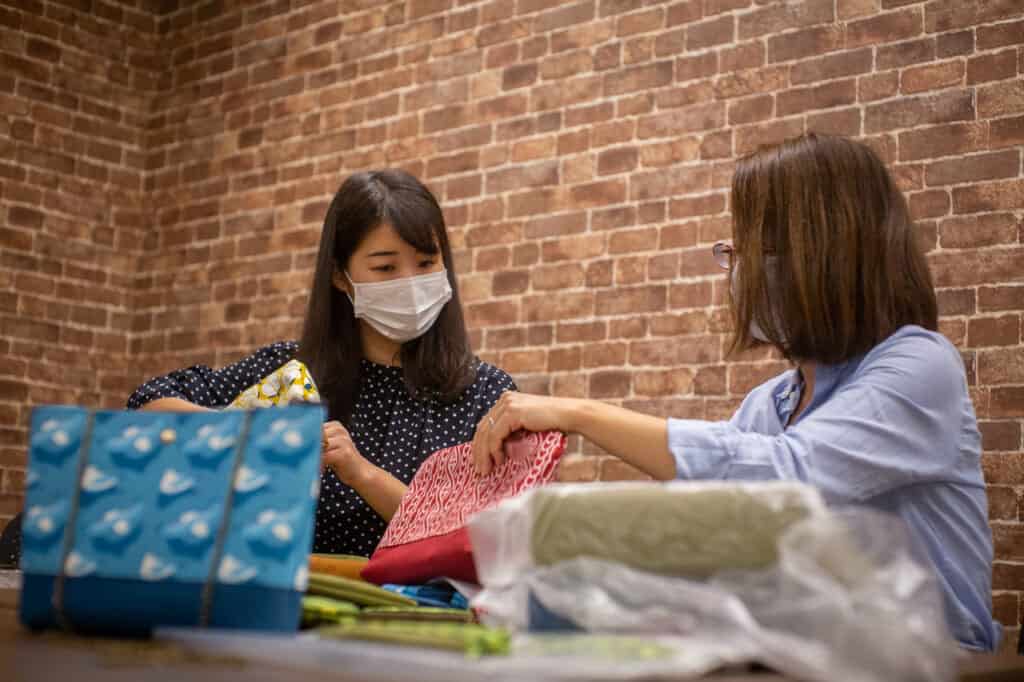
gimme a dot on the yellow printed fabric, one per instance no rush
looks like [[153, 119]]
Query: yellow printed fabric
[[289, 383]]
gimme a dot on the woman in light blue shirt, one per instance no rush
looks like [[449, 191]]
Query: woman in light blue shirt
[[825, 267]]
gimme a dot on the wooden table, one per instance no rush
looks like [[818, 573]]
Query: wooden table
[[51, 656]]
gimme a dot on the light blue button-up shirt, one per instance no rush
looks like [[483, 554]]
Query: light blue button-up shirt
[[893, 429]]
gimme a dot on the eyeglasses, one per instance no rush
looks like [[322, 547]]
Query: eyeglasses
[[724, 253]]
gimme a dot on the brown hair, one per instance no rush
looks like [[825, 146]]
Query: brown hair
[[441, 361], [847, 270]]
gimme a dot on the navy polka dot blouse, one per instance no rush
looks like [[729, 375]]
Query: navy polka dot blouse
[[389, 427]]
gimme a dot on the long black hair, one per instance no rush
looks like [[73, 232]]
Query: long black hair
[[440, 363]]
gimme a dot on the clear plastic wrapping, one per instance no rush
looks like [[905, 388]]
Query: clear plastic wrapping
[[839, 595]]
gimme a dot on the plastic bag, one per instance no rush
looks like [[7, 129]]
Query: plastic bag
[[848, 597], [709, 526]]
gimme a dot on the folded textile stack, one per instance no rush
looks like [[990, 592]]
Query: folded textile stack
[[357, 592], [473, 640], [352, 609], [341, 565]]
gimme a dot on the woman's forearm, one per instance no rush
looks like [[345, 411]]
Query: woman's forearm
[[637, 439], [382, 491], [172, 405]]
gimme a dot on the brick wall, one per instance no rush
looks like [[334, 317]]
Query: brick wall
[[582, 152], [75, 84]]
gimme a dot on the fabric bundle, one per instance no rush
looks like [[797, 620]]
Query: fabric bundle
[[427, 537]]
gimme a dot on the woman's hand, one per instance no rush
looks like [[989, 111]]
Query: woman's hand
[[340, 454], [512, 412]]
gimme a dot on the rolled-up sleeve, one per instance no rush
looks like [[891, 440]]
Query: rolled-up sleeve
[[895, 423], [208, 387]]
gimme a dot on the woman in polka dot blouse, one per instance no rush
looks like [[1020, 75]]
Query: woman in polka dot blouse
[[385, 340]]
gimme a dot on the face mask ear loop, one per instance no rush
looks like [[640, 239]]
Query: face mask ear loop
[[351, 295]]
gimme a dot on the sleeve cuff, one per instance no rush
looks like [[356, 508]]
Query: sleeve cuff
[[699, 448]]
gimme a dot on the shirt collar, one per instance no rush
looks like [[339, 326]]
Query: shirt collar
[[827, 378]]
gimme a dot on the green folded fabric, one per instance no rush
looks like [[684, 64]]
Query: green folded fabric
[[355, 591], [671, 530], [473, 640], [317, 610], [417, 613]]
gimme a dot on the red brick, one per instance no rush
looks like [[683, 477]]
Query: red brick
[[1000, 366], [830, 66], [640, 22], [947, 107], [963, 268], [878, 86], [749, 55], [637, 78], [565, 16], [750, 138], [945, 15], [976, 231], [684, 12], [806, 43], [699, 66], [1000, 35], [939, 141], [617, 160], [562, 276], [885, 28], [631, 300], [680, 121], [906, 53], [840, 122], [992, 67], [1003, 506], [565, 306], [956, 301], [1001, 99], [751, 109], [1000, 435], [1006, 195], [1004, 297], [519, 76], [519, 177], [685, 351], [993, 331], [581, 331], [826, 96], [598, 194], [1007, 402], [988, 166], [955, 44], [1006, 132], [609, 384], [709, 33], [557, 225], [612, 354], [932, 76], [778, 17]]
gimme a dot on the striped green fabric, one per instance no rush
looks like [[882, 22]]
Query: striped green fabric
[[473, 640], [316, 610], [417, 613], [356, 591]]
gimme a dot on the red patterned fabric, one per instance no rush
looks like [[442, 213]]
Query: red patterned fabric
[[427, 537]]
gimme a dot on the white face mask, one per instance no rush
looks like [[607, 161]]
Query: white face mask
[[771, 275], [401, 309]]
